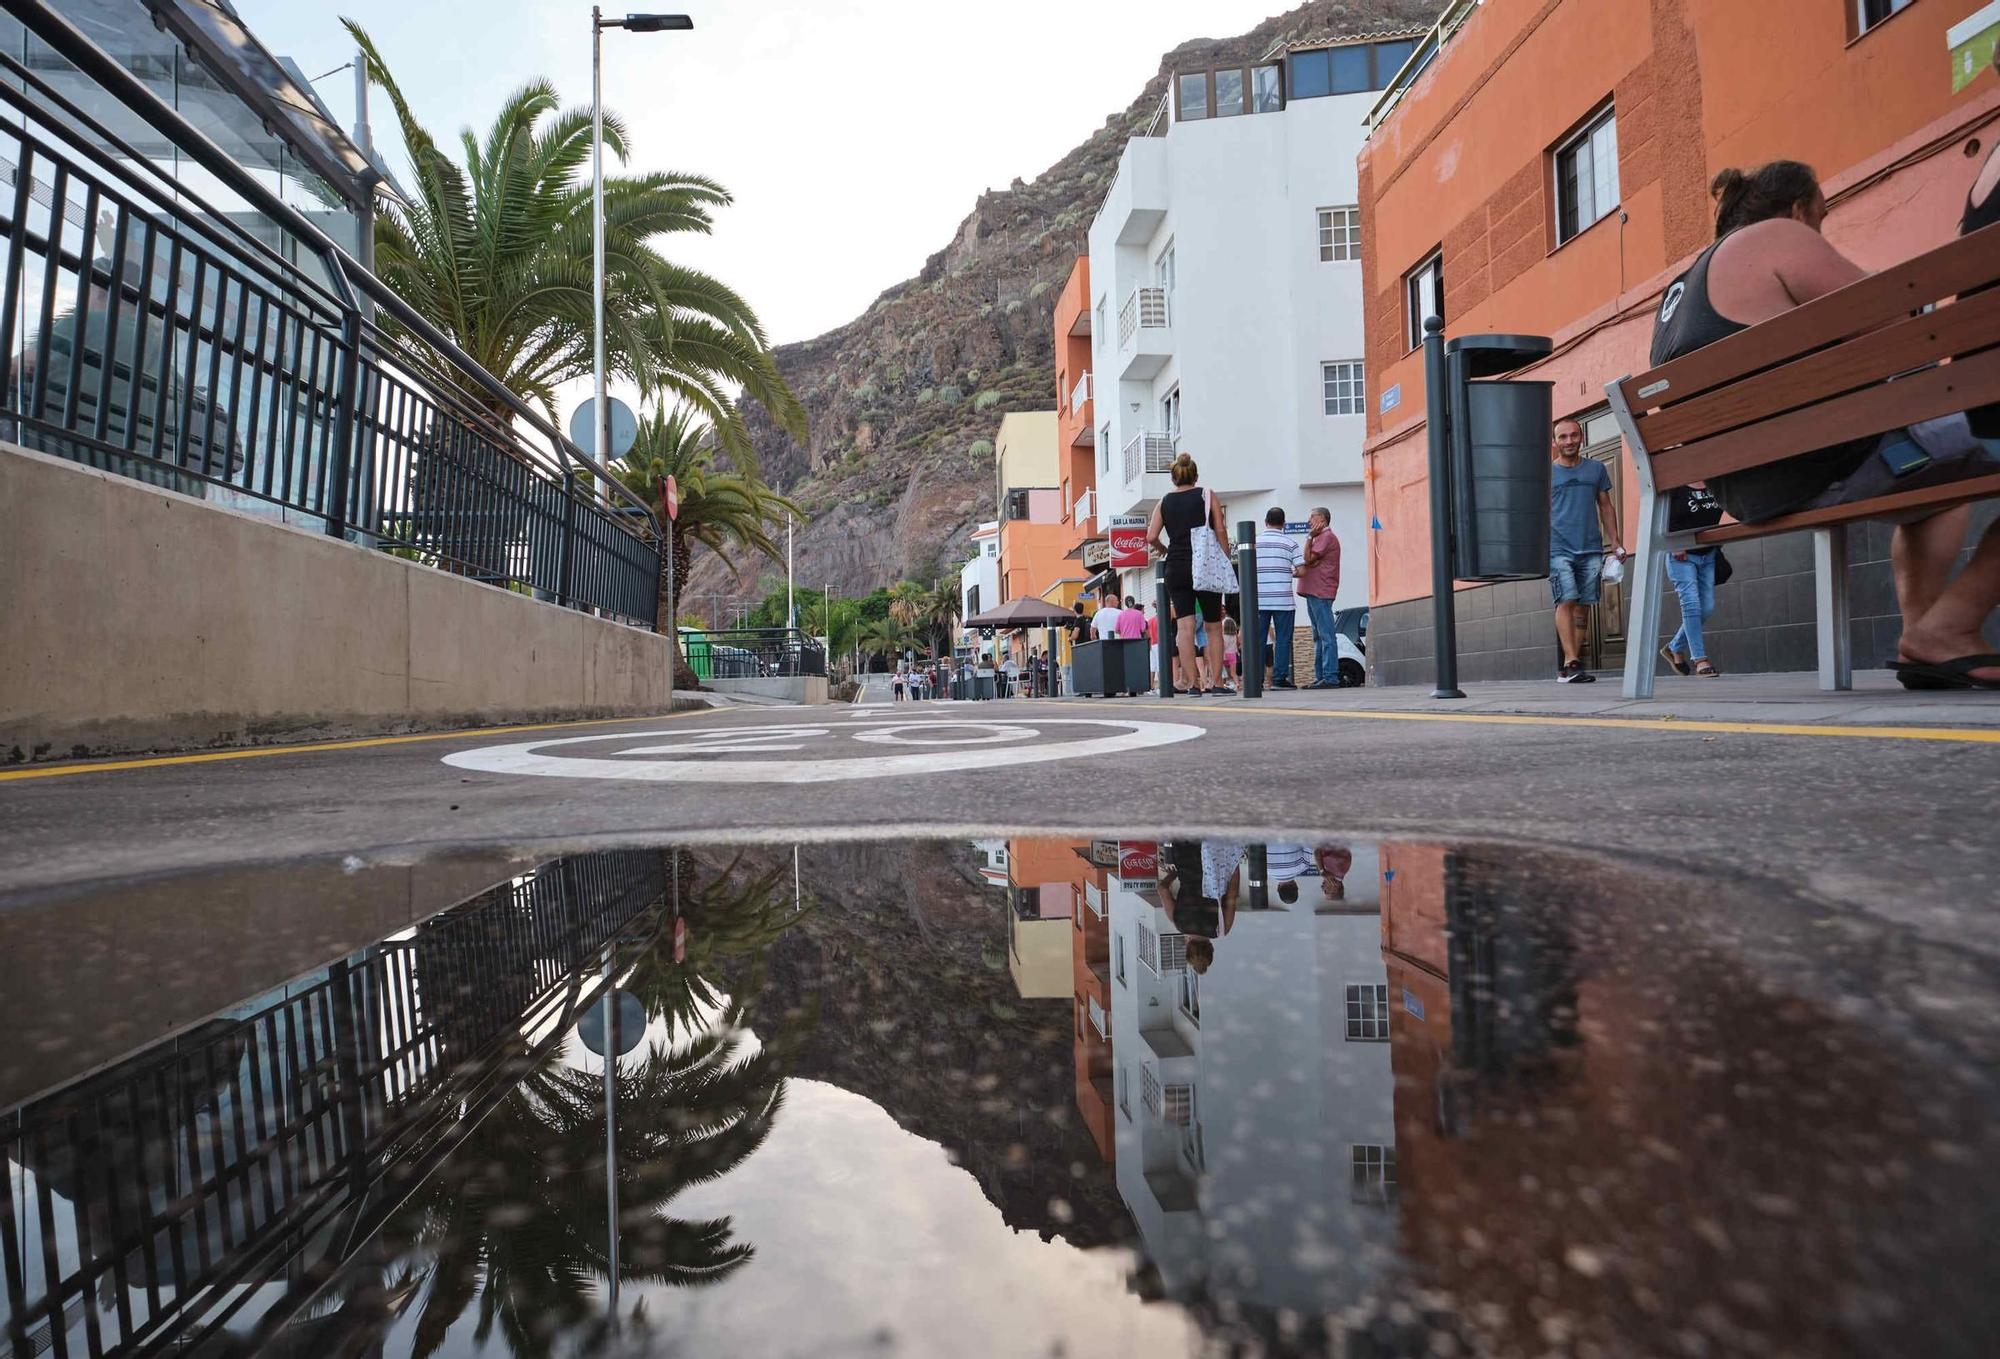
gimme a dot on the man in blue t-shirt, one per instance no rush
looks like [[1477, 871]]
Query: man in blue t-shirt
[[1579, 502]]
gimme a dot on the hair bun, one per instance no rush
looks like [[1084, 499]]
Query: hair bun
[[1725, 181]]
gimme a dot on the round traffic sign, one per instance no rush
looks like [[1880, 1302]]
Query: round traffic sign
[[631, 1024], [670, 497], [624, 431]]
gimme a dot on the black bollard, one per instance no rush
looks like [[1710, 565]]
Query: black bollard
[[1163, 650], [1250, 631], [1257, 869], [1444, 618]]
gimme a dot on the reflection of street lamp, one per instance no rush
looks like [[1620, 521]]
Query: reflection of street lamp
[[632, 23]]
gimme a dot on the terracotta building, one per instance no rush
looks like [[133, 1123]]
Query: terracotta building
[[1545, 171]]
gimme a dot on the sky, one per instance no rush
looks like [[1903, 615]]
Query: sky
[[854, 134]]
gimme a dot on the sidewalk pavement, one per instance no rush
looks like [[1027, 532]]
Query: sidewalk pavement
[[1876, 699]]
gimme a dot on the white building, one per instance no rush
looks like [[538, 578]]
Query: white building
[[1255, 1125], [979, 584], [1227, 303]]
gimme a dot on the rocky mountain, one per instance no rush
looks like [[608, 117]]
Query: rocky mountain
[[904, 400]]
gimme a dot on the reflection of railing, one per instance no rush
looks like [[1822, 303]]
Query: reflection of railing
[[153, 1200], [754, 653], [151, 335]]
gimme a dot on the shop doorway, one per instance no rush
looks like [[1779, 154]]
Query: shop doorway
[[1604, 646]]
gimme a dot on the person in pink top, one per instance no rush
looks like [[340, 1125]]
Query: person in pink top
[[1131, 622], [1319, 582]]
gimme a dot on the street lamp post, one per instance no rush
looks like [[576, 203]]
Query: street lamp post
[[631, 23]]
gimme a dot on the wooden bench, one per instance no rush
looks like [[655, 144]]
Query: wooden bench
[[1806, 379]]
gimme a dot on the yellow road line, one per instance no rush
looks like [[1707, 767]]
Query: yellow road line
[[1962, 735], [257, 752]]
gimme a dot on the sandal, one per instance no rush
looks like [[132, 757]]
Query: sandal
[[1952, 674], [1703, 670], [1675, 659]]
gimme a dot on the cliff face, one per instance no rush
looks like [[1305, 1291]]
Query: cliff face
[[904, 399]]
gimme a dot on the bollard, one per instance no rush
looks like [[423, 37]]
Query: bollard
[[1250, 631], [1163, 650], [1257, 869], [1444, 620]]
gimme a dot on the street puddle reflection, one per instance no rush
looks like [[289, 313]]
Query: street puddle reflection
[[1021, 1096]]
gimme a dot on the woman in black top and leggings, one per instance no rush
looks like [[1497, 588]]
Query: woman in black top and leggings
[[1181, 513]]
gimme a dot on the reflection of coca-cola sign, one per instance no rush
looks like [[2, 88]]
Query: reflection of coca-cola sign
[[1138, 860], [1128, 542]]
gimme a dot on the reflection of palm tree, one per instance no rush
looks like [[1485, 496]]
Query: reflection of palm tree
[[726, 919], [516, 1219]]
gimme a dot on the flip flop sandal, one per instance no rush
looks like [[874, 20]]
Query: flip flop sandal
[[1703, 670], [1952, 674], [1674, 659]]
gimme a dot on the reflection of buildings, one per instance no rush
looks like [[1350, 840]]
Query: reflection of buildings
[[1043, 885], [1254, 1130]]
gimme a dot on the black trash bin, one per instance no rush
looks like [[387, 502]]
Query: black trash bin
[[1500, 460]]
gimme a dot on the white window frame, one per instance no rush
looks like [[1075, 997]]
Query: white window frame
[[1367, 1012], [1164, 272], [1343, 387], [1104, 447], [1339, 233], [1118, 958], [1170, 412], [1432, 265], [1190, 995], [1861, 23], [1597, 140], [1125, 1094], [1371, 1173]]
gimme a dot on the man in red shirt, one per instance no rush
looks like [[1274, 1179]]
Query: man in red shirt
[[1319, 582]]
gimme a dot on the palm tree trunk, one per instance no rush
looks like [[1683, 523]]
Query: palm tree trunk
[[674, 569]]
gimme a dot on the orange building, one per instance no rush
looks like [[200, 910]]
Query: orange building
[[1076, 412], [1546, 172]]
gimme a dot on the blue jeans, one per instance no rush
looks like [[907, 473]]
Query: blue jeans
[[1283, 621], [1326, 651], [1694, 581]]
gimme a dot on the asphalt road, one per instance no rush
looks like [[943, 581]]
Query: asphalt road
[[1899, 827]]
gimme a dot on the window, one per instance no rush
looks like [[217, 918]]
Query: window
[[1423, 291], [1124, 1094], [1017, 504], [1117, 955], [1587, 176], [972, 601], [1163, 271], [1228, 93], [1312, 75], [1389, 59], [1266, 89], [1339, 234], [1103, 327], [1191, 996], [1341, 388], [1368, 1014], [1868, 13], [1194, 97], [1170, 412], [1104, 448], [1374, 1173], [1352, 69]]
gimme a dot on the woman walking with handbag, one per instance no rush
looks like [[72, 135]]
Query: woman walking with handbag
[[1198, 574], [1694, 573]]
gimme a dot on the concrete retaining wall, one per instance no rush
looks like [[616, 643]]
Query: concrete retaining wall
[[791, 689], [134, 618]]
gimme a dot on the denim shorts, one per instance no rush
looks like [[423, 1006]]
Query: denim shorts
[[1574, 579]]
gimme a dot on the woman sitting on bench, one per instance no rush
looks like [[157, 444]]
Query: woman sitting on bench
[[1769, 257]]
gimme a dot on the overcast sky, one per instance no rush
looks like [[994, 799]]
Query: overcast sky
[[855, 134]]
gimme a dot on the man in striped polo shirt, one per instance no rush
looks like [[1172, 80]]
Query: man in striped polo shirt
[[1278, 556]]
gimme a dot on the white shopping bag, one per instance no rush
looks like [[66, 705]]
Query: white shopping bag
[[1614, 569]]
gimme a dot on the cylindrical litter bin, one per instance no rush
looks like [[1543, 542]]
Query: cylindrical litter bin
[[1500, 479]]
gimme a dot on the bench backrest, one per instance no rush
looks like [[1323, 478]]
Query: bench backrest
[[1818, 374]]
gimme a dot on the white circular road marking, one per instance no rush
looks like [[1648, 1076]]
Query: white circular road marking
[[667, 766]]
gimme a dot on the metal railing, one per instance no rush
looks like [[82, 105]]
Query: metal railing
[[753, 653], [1428, 46], [148, 334], [155, 1200], [1079, 395], [1149, 453], [1145, 308], [1085, 508]]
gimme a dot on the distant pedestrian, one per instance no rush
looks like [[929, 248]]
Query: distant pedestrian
[[1319, 581], [1232, 659], [1579, 505], [1133, 622], [1106, 622], [1278, 559], [1335, 861], [1693, 575], [1285, 865], [901, 681]]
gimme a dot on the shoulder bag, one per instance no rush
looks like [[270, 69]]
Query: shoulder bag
[[1213, 571]]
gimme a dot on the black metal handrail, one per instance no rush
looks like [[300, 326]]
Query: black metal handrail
[[753, 653], [158, 1196], [190, 354]]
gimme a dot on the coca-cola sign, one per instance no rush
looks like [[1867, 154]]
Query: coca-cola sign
[[1138, 860], [1128, 543]]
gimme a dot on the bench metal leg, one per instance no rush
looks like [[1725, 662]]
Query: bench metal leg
[[1836, 652], [1642, 629]]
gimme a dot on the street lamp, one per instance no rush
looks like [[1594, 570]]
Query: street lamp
[[631, 23]]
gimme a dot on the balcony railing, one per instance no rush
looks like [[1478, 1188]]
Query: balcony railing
[[1079, 395], [1149, 453], [1085, 508], [148, 334], [1145, 308], [753, 653], [1428, 46]]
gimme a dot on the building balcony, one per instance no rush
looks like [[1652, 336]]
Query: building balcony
[[1148, 455], [1079, 396], [1145, 334]]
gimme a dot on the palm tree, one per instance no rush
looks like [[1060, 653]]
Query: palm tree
[[497, 254], [943, 608], [886, 637], [907, 601], [718, 510]]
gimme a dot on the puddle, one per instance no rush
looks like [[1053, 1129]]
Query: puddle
[[1022, 1096]]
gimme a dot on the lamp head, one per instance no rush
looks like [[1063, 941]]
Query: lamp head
[[655, 23]]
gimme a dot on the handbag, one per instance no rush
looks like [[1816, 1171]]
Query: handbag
[[1213, 571], [1723, 570]]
